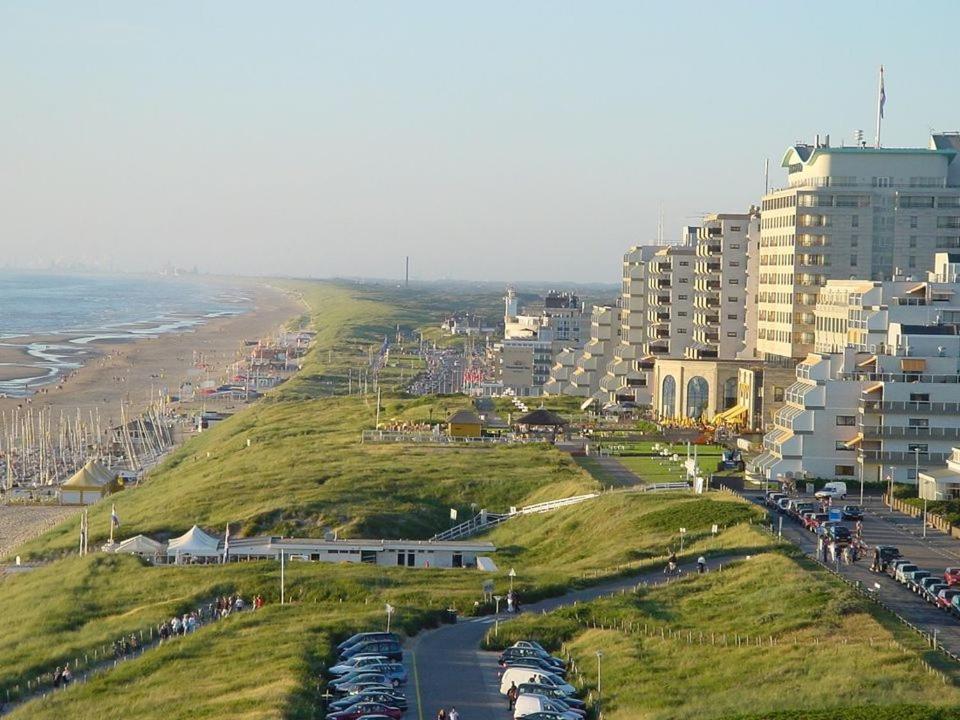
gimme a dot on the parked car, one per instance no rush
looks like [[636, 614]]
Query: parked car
[[357, 662], [365, 710], [903, 570], [392, 698], [366, 637], [852, 512], [533, 662], [812, 520], [361, 680], [945, 597], [532, 644], [951, 576], [528, 704], [515, 652], [782, 505], [929, 586], [894, 566], [914, 577], [773, 497], [834, 490], [551, 692], [955, 605], [823, 529], [517, 674], [798, 508], [390, 649], [840, 534]]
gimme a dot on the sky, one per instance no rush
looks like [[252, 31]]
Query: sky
[[490, 141]]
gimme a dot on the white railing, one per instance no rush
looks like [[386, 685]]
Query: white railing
[[484, 520], [429, 438]]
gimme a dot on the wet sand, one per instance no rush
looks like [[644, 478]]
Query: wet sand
[[135, 371]]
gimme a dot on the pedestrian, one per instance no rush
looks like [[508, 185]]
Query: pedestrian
[[441, 714], [67, 676], [701, 565], [512, 695], [58, 677], [454, 715]]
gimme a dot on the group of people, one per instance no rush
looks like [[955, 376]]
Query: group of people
[[126, 646], [62, 676], [444, 715], [513, 602]]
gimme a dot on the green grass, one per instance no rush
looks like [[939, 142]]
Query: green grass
[[831, 648]]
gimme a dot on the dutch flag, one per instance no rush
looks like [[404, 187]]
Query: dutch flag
[[114, 518], [883, 93]]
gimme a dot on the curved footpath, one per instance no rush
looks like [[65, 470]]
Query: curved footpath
[[448, 669]]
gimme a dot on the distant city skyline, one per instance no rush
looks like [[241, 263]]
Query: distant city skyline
[[530, 142]]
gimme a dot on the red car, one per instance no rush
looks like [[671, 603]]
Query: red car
[[945, 598], [363, 709], [811, 521], [951, 576]]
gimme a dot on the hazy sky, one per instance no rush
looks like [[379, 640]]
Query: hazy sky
[[493, 140]]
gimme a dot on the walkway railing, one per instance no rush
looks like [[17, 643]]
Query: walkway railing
[[485, 520], [429, 438]]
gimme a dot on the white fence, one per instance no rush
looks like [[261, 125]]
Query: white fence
[[429, 438], [484, 520]]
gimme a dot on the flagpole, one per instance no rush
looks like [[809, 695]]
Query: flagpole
[[113, 514], [880, 93]]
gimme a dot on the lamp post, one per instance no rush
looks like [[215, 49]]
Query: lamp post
[[916, 475], [512, 574], [890, 488], [599, 657]]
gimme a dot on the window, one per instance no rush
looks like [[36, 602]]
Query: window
[[913, 241], [841, 446], [777, 394], [732, 317], [733, 281], [913, 221], [919, 397], [843, 470], [668, 397], [684, 263], [735, 263], [734, 228], [684, 280], [698, 395], [681, 331], [733, 298], [912, 261], [854, 240], [846, 420], [734, 246], [731, 334], [681, 297], [682, 314], [917, 447], [853, 261], [919, 422], [855, 221]]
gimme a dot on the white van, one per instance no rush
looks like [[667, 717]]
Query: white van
[[529, 704], [515, 674], [833, 490]]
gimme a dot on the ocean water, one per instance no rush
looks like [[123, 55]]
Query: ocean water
[[89, 308]]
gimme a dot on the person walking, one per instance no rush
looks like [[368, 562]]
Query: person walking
[[512, 695], [454, 715], [441, 714], [701, 565]]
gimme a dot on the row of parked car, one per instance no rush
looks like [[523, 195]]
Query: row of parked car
[[368, 678], [940, 589], [538, 680], [810, 514]]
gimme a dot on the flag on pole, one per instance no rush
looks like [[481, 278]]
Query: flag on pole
[[114, 518], [883, 93]]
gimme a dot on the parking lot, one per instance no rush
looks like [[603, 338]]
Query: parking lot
[[883, 527]]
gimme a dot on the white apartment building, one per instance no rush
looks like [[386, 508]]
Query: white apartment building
[[670, 283], [879, 396], [627, 373], [849, 212], [578, 372], [720, 286]]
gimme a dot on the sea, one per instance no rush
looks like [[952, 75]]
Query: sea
[[85, 309]]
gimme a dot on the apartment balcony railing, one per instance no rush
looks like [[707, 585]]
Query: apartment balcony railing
[[904, 457], [905, 432], [917, 377], [927, 407]]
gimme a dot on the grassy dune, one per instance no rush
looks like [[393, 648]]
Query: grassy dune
[[831, 648]]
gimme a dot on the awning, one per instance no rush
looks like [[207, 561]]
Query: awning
[[854, 443], [869, 361], [913, 364], [917, 288], [873, 388], [731, 415]]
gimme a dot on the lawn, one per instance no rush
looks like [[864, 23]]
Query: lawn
[[728, 643]]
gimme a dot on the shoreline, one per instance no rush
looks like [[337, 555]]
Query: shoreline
[[103, 371]]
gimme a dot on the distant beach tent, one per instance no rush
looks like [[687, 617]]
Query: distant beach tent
[[88, 485], [140, 545], [542, 418], [465, 423], [194, 543]]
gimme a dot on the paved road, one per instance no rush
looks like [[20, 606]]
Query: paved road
[[881, 527], [447, 668]]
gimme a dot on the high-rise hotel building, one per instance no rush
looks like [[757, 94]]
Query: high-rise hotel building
[[849, 212]]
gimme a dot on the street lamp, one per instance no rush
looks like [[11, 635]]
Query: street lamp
[[599, 657], [890, 488], [916, 475], [512, 574]]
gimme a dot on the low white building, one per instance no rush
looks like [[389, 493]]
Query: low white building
[[942, 483]]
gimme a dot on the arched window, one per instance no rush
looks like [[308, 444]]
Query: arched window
[[668, 397], [729, 393], [698, 394]]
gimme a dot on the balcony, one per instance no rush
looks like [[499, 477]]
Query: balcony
[[925, 407], [903, 457], [661, 316], [910, 433], [664, 284]]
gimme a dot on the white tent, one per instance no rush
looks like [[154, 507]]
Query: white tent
[[140, 545], [194, 543]]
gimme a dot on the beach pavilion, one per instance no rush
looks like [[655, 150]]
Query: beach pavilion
[[87, 485], [542, 422], [140, 545], [194, 544]]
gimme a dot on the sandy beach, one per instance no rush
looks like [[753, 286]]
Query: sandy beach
[[133, 371]]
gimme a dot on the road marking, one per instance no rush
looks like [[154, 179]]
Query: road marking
[[416, 684]]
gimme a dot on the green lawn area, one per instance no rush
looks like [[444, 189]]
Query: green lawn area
[[830, 649]]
